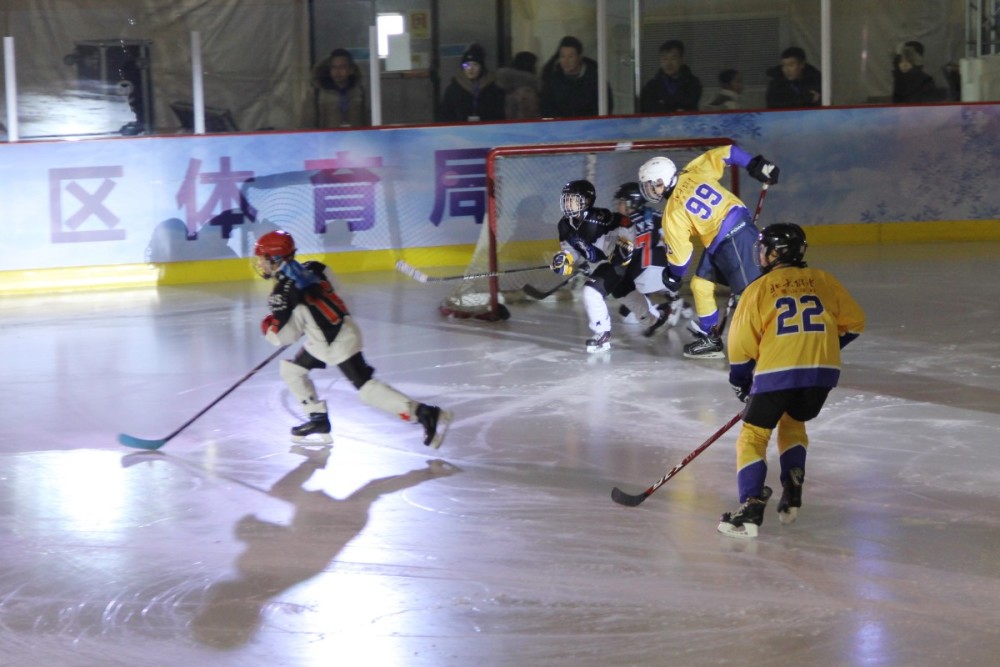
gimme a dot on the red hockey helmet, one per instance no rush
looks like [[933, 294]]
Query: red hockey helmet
[[271, 251]]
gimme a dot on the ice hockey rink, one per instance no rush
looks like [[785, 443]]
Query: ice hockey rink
[[229, 548]]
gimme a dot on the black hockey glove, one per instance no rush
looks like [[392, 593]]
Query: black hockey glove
[[622, 254], [763, 170], [742, 392], [671, 282]]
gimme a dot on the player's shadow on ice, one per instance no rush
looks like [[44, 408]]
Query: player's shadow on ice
[[280, 556]]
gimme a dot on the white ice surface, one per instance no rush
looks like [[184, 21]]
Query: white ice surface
[[503, 548]]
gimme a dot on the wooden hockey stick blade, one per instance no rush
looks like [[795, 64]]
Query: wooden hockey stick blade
[[140, 443], [411, 272]]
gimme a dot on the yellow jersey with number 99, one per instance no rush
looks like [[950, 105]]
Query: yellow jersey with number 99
[[698, 205]]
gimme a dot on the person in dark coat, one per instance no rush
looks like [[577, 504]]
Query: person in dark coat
[[795, 83], [472, 95], [675, 87], [910, 83], [569, 83]]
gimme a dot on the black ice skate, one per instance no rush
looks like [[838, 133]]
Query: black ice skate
[[316, 431], [705, 347], [744, 522], [791, 496], [435, 422], [599, 343]]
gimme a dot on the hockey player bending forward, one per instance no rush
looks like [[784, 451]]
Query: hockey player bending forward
[[645, 272], [304, 303], [784, 353], [698, 205], [596, 241]]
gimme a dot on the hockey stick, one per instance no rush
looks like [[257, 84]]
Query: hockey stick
[[422, 277], [538, 294], [629, 500], [141, 443]]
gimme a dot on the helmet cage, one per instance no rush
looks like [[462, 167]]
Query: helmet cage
[[577, 197]]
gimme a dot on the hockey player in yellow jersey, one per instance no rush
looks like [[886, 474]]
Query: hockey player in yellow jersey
[[784, 353], [699, 206]]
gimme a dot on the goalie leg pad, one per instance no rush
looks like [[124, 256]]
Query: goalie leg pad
[[380, 395]]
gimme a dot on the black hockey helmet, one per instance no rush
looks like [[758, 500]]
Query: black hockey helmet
[[788, 243], [577, 197], [631, 194]]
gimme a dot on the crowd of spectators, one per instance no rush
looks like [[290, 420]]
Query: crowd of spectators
[[567, 86]]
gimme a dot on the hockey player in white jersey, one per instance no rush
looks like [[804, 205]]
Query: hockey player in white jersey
[[303, 303], [597, 241]]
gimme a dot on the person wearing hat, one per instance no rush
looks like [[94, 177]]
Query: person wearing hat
[[910, 83], [472, 95]]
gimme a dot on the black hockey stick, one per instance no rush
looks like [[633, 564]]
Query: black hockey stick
[[629, 500], [141, 443], [536, 293], [421, 277]]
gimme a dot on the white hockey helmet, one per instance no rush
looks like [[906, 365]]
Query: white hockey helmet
[[655, 172]]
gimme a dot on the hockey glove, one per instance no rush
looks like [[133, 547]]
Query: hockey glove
[[671, 282], [269, 323], [763, 170], [562, 263], [742, 392], [622, 253]]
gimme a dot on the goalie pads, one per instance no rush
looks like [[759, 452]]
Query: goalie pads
[[562, 263]]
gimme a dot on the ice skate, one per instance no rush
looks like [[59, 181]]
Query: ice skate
[[316, 431], [600, 343], [791, 496], [435, 422], [745, 521], [705, 347]]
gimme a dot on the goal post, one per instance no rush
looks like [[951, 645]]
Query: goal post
[[524, 185]]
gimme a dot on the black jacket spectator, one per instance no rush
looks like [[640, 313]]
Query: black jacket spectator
[[783, 93], [574, 95], [910, 83], [667, 94], [472, 99]]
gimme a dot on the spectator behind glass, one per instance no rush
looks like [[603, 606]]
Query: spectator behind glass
[[521, 87], [569, 82], [910, 83], [730, 89], [795, 83], [674, 88], [472, 94], [341, 98]]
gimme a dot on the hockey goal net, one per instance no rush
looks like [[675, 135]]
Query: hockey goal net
[[525, 184]]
